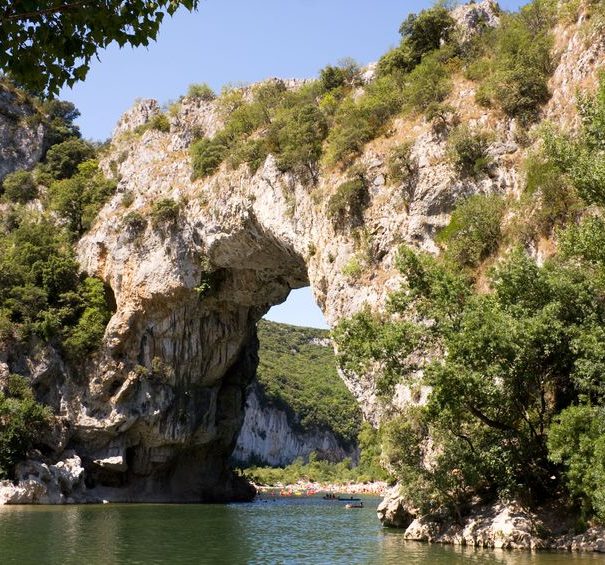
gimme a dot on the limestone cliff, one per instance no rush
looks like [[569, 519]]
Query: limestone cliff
[[158, 411], [268, 438], [21, 132]]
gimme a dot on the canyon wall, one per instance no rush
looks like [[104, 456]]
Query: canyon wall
[[155, 414]]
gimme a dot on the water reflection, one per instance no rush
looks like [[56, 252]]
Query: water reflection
[[292, 531]]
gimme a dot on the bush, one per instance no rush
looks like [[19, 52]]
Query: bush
[[585, 240], [577, 440], [346, 205], [78, 199], [359, 121], [201, 91], [253, 152], [19, 187], [159, 122], [164, 211], [23, 422], [85, 337], [468, 153], [474, 231], [135, 223], [401, 166], [207, 156], [296, 136], [59, 116], [580, 158], [353, 269], [427, 84], [557, 200], [420, 34], [62, 160], [520, 63], [343, 75]]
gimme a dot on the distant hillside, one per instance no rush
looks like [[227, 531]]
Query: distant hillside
[[297, 372]]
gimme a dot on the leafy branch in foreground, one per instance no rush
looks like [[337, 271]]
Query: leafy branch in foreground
[[47, 44]]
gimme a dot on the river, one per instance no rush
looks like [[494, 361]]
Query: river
[[288, 530]]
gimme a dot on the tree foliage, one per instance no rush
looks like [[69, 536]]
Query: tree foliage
[[420, 34], [22, 421], [49, 43], [474, 230], [79, 198], [299, 374], [511, 361]]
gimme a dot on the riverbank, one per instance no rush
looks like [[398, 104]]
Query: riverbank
[[309, 488], [494, 526]]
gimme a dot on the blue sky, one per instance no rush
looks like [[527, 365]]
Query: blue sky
[[231, 41]]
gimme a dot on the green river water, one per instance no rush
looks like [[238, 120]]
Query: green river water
[[291, 530]]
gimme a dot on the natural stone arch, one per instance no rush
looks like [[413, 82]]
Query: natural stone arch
[[169, 391]]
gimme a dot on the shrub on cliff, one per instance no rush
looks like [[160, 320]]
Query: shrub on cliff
[[19, 187], [359, 121], [41, 292], [420, 34], [518, 61], [468, 151], [201, 91], [427, 84], [346, 73], [346, 205], [22, 420], [580, 157], [206, 156], [86, 335], [79, 198], [62, 160], [296, 136], [474, 230], [164, 211]]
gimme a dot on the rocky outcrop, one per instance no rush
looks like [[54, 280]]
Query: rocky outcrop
[[501, 525], [43, 483], [268, 437], [393, 511], [21, 132]]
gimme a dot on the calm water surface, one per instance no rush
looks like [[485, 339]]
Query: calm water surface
[[292, 530]]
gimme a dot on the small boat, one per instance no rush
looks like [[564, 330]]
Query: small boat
[[350, 499], [354, 505]]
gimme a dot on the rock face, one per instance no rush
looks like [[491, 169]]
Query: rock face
[[156, 413], [267, 437], [21, 133], [42, 483], [502, 526], [393, 511]]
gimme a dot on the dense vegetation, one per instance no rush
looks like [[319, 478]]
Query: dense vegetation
[[326, 123], [297, 372], [516, 350], [22, 420], [44, 298]]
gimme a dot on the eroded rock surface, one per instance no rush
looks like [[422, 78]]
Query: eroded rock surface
[[21, 133], [268, 436]]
